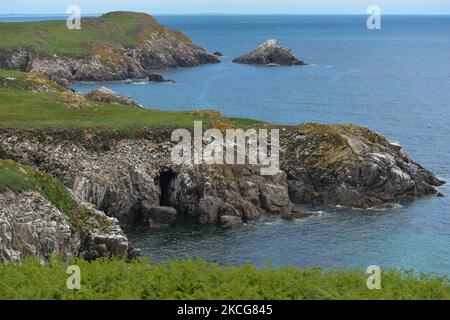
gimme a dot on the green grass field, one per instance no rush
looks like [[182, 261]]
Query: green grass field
[[24, 109], [187, 279]]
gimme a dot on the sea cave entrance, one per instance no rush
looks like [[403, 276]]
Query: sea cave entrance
[[166, 180]]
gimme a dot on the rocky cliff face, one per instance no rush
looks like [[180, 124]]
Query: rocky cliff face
[[31, 224], [135, 180], [127, 52], [135, 176], [350, 166], [270, 53]]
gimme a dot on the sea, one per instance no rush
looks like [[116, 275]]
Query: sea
[[394, 80]]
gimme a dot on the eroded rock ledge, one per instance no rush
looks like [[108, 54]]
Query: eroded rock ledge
[[135, 180]]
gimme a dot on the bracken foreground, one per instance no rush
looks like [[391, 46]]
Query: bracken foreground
[[198, 279]]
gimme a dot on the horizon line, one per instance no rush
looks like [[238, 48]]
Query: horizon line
[[230, 14]]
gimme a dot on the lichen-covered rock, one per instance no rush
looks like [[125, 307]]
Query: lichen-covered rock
[[104, 94], [350, 166], [270, 53]]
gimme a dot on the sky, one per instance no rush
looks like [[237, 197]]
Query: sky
[[227, 6]]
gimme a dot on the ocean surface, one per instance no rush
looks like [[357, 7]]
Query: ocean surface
[[395, 81]]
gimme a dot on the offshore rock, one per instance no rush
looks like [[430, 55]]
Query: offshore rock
[[270, 53]]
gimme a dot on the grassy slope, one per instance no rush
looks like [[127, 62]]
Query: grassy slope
[[21, 108], [53, 37], [112, 279]]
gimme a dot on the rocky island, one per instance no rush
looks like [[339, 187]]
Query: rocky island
[[109, 47], [270, 53]]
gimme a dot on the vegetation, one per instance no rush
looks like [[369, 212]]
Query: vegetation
[[188, 279], [112, 31], [20, 178], [32, 101]]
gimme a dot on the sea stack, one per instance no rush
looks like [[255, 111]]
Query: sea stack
[[270, 53]]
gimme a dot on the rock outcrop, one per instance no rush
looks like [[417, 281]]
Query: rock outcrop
[[107, 95], [156, 77], [270, 53], [107, 48], [350, 166], [158, 216], [31, 224], [135, 179]]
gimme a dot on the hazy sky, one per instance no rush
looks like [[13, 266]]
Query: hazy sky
[[227, 6]]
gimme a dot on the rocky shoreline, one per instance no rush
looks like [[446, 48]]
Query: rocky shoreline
[[134, 180]]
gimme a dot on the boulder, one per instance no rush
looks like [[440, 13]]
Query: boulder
[[218, 54], [295, 214], [156, 77], [158, 216], [228, 222], [104, 94], [270, 53]]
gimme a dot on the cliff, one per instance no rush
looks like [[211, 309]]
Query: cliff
[[40, 217], [114, 46]]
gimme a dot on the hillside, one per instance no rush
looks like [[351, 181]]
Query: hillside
[[117, 45]]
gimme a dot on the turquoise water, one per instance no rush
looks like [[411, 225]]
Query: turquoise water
[[396, 81]]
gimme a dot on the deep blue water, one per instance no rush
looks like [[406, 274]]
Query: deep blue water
[[396, 81]]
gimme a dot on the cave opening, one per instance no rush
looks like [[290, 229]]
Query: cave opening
[[166, 179]]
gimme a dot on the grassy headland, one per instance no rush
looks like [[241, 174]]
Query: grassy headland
[[30, 101], [114, 30]]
